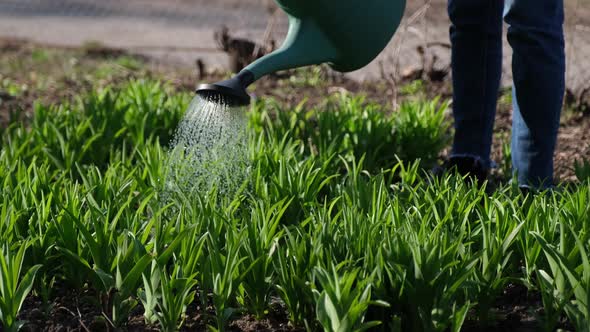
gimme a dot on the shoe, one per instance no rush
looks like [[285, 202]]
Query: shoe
[[471, 167]]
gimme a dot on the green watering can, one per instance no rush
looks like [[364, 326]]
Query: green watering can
[[347, 34]]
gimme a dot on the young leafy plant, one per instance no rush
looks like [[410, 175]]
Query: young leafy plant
[[343, 301], [294, 264], [571, 279], [582, 170], [496, 234], [150, 295], [176, 292], [260, 244], [13, 288], [223, 269]]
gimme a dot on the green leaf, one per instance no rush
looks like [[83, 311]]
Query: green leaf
[[107, 280], [129, 283], [165, 256], [25, 286]]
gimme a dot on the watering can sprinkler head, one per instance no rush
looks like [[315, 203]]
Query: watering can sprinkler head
[[232, 91], [347, 34]]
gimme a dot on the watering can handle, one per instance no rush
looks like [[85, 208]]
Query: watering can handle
[[305, 45]]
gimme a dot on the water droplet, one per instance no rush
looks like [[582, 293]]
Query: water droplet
[[210, 148]]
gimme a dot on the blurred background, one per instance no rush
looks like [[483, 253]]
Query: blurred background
[[182, 31]]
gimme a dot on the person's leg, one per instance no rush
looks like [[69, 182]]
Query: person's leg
[[538, 65], [476, 38]]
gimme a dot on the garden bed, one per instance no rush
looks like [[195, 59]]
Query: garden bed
[[338, 223]]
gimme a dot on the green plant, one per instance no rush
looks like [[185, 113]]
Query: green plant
[[568, 285], [336, 218], [505, 97], [432, 280], [260, 245], [116, 261], [161, 302], [415, 88], [342, 303], [506, 165], [294, 263], [13, 88], [496, 235], [13, 288], [150, 295], [421, 131], [224, 277], [582, 170], [129, 62], [308, 76], [176, 292]]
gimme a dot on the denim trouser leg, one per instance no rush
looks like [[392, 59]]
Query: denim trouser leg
[[538, 65], [536, 36], [476, 38]]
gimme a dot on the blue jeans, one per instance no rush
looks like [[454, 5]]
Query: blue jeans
[[535, 34]]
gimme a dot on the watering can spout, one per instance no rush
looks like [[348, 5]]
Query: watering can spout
[[347, 34], [231, 92], [306, 44]]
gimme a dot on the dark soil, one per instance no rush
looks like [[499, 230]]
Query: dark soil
[[516, 310], [72, 311]]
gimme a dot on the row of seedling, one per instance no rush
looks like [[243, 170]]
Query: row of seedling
[[420, 256], [337, 228]]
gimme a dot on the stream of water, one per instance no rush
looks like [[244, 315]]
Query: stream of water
[[210, 148]]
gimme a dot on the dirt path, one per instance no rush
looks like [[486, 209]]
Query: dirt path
[[159, 28], [153, 28], [180, 31]]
